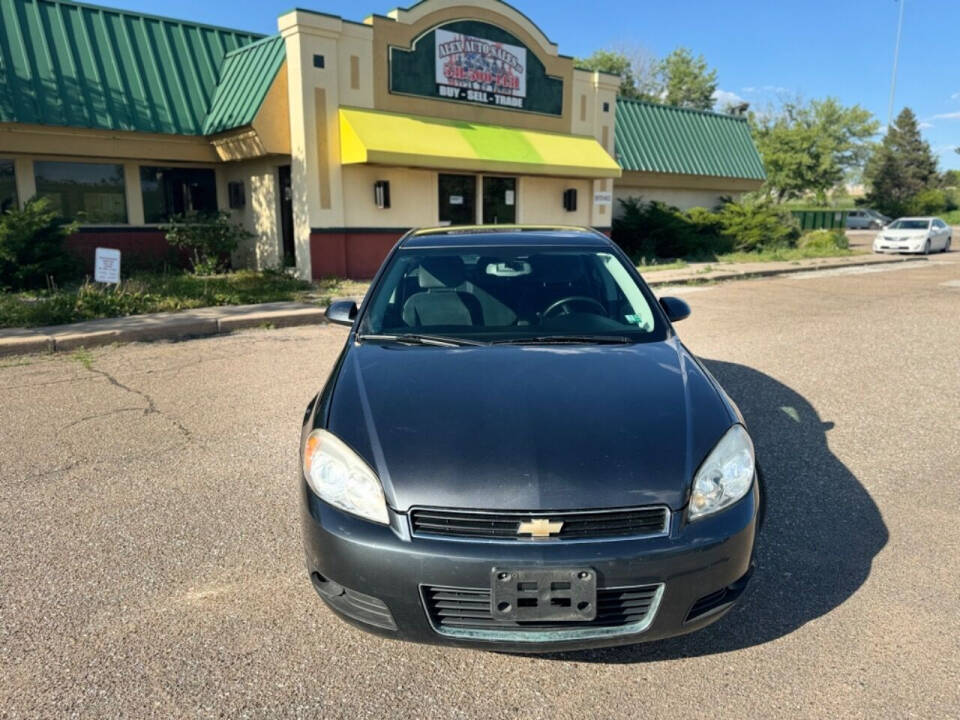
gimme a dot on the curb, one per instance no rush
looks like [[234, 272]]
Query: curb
[[759, 273], [150, 327]]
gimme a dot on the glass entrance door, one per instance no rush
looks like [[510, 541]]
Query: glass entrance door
[[458, 199], [499, 200], [286, 217]]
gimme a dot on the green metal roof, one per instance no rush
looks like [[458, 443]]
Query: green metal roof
[[64, 63], [245, 79], [666, 139]]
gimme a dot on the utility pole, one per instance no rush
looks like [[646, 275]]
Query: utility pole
[[896, 58]]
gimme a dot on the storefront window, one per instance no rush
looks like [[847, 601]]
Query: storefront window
[[458, 198], [8, 186], [499, 200], [169, 191], [87, 192]]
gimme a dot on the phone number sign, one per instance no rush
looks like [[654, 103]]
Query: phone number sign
[[478, 70]]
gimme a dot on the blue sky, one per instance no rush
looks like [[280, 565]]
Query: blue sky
[[762, 49]]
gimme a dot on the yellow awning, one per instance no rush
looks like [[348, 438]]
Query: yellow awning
[[382, 138]]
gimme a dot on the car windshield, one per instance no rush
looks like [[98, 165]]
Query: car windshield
[[909, 225], [511, 294]]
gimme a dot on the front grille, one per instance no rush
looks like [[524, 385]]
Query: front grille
[[577, 525], [465, 609]]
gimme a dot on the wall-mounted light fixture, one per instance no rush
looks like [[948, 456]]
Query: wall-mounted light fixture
[[381, 193], [570, 199], [235, 195]]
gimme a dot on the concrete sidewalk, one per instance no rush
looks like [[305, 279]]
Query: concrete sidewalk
[[158, 326], [717, 272], [217, 320]]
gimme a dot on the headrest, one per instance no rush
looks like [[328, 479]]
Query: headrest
[[558, 268], [442, 272]]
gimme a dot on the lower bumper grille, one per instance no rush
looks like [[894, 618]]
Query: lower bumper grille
[[561, 525], [365, 608], [466, 612], [720, 599]]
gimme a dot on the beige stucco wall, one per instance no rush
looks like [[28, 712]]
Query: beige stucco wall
[[261, 213], [413, 197], [680, 198], [541, 201], [682, 191], [17, 138]]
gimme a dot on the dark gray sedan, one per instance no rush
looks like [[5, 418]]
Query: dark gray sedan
[[515, 451]]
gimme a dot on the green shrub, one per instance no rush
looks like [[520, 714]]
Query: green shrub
[[650, 229], [824, 240], [653, 229], [148, 293], [927, 202], [758, 226], [952, 197], [31, 247], [210, 238], [711, 239]]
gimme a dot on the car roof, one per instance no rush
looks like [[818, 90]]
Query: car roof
[[505, 235], [925, 219]]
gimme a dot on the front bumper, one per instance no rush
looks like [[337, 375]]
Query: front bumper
[[894, 246], [377, 577]]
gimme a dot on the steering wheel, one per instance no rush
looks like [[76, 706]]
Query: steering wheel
[[562, 303]]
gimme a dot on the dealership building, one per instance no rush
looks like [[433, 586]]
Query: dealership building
[[331, 138]]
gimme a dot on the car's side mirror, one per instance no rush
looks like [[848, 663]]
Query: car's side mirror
[[342, 312], [675, 308]]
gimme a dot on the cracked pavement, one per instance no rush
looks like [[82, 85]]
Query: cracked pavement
[[150, 558]]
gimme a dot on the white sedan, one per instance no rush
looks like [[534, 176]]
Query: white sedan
[[914, 235]]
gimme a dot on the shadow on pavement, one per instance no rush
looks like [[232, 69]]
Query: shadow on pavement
[[821, 533]]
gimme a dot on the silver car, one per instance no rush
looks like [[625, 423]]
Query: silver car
[[866, 220]]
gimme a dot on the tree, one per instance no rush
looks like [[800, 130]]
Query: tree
[[686, 81], [811, 147], [209, 237], [31, 246], [635, 66], [902, 166]]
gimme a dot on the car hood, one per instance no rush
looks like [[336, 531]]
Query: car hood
[[905, 234], [529, 427]]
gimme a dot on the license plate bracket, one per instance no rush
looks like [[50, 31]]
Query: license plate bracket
[[543, 594]]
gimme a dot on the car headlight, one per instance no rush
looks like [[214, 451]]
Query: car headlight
[[725, 476], [338, 475]]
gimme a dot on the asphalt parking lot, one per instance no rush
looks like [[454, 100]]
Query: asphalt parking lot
[[151, 557]]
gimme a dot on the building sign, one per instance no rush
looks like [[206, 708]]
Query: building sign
[[603, 198], [106, 265], [475, 62], [478, 70]]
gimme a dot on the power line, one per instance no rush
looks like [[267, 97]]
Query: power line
[[896, 58]]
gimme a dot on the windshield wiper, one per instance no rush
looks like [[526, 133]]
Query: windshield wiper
[[573, 339], [417, 339]]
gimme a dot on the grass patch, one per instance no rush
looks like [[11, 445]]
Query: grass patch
[[84, 357], [951, 218], [649, 266], [150, 293], [785, 255]]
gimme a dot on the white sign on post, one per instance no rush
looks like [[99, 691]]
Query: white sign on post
[[106, 266], [603, 198]]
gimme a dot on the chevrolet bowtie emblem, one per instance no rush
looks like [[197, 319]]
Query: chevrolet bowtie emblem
[[539, 527]]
